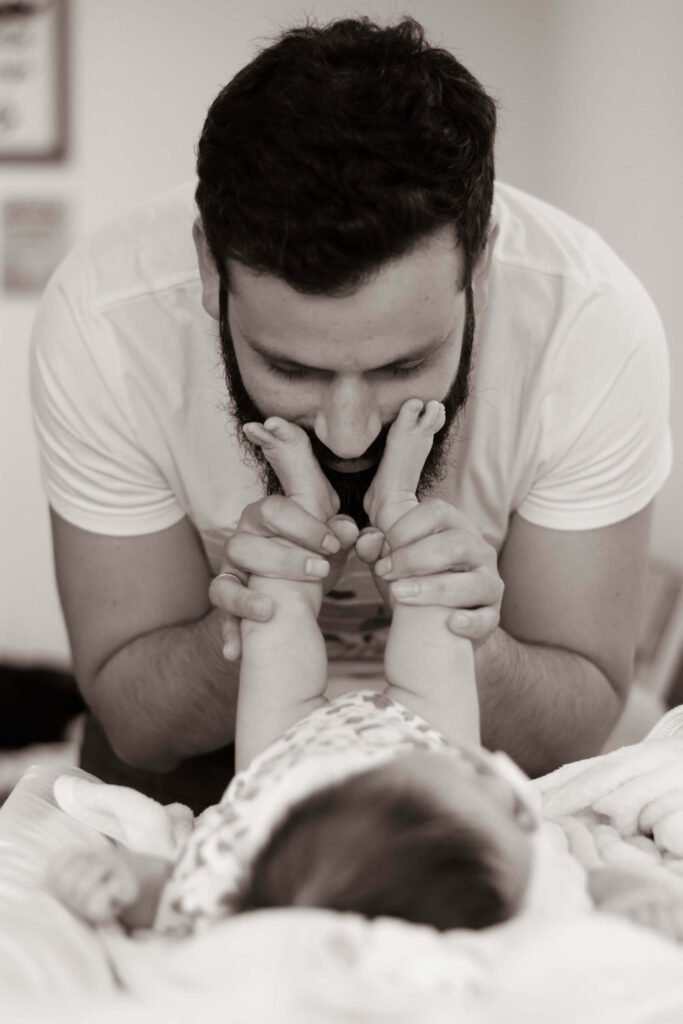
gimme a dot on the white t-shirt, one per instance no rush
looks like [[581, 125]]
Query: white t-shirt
[[566, 424]]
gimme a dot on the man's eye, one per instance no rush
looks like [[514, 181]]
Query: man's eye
[[299, 374], [281, 371], [405, 371]]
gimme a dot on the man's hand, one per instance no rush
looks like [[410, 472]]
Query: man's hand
[[275, 537], [434, 555]]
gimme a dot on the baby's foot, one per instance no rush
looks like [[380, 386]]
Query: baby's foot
[[98, 885], [288, 450], [409, 441]]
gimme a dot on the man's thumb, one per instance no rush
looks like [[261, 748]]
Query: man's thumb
[[344, 529]]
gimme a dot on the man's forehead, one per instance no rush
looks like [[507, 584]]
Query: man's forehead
[[408, 286], [394, 319], [436, 250]]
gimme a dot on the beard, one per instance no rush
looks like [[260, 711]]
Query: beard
[[349, 487]]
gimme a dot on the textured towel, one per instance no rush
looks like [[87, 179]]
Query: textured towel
[[624, 809], [125, 815]]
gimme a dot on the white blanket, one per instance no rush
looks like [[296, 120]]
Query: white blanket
[[625, 809]]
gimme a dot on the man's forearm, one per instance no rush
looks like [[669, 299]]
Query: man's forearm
[[168, 695], [544, 706]]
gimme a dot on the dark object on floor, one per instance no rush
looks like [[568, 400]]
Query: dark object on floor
[[36, 703]]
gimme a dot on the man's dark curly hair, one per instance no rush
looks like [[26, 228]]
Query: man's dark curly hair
[[339, 148]]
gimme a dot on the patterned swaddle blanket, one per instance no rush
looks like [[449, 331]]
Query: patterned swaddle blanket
[[351, 734]]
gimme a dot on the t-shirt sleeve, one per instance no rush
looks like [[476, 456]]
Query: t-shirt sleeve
[[602, 438], [95, 473]]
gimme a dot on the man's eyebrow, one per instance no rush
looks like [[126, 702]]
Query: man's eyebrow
[[276, 357]]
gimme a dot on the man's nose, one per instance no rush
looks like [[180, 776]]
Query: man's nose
[[349, 421]]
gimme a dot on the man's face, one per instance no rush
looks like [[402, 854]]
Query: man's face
[[341, 367]]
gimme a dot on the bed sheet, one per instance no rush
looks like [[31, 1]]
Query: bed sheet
[[558, 961]]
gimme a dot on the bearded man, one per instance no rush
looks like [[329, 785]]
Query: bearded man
[[351, 251]]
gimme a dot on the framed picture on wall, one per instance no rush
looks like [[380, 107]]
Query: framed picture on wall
[[33, 62]]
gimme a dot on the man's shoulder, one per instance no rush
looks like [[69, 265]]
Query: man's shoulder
[[535, 236], [144, 252]]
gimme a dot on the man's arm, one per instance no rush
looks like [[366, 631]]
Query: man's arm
[[554, 678], [145, 642]]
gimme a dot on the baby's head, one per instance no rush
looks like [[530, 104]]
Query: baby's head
[[432, 838]]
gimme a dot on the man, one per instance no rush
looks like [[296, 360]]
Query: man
[[352, 254]]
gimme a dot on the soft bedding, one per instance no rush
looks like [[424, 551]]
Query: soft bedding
[[559, 960]]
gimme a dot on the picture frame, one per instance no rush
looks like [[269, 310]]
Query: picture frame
[[33, 80]]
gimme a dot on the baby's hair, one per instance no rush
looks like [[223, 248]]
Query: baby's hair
[[375, 846]]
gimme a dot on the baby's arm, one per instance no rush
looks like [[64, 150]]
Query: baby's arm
[[428, 668], [284, 661]]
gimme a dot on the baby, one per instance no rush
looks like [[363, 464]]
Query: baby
[[381, 803]]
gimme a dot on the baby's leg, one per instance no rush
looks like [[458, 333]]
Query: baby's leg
[[284, 661], [429, 669]]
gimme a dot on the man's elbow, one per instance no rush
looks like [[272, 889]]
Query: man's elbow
[[130, 732], [611, 688], [142, 753], [619, 681], [138, 748]]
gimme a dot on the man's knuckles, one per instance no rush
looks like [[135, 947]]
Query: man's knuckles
[[442, 552], [274, 511]]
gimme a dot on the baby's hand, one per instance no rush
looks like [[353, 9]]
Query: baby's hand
[[641, 901], [96, 884]]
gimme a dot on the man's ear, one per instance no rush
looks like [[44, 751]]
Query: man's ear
[[207, 271], [482, 276]]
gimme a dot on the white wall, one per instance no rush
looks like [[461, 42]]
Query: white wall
[[589, 97]]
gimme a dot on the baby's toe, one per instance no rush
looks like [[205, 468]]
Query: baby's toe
[[433, 418], [409, 416], [409, 442], [419, 418]]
